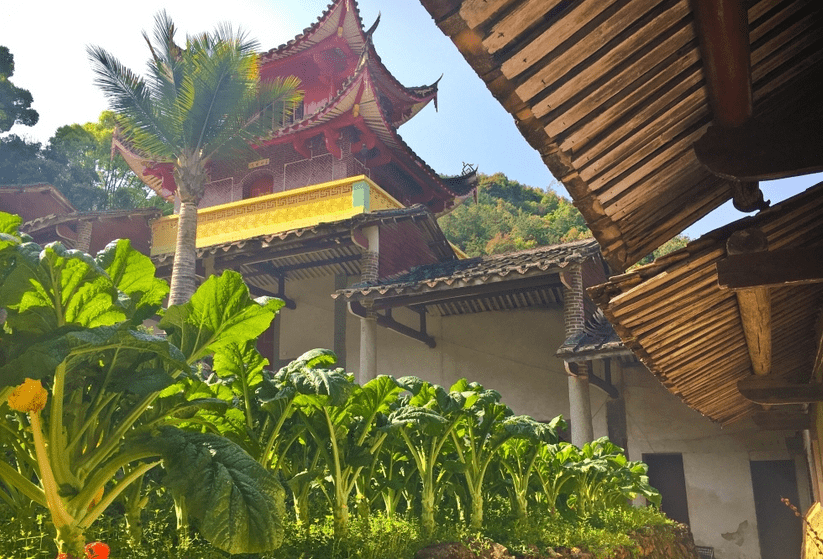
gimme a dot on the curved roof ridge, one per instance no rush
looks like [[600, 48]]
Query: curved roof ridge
[[319, 30], [419, 96]]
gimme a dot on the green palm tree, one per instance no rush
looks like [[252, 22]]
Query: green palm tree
[[199, 104]]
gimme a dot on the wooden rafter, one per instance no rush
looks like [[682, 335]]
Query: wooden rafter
[[771, 268], [754, 304]]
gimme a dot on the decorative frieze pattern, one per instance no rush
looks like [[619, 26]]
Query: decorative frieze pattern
[[273, 213]]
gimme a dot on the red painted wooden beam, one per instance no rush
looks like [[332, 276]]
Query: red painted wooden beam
[[723, 30]]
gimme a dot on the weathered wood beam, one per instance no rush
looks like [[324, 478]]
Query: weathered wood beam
[[723, 33], [774, 391], [754, 304], [771, 268], [263, 292], [606, 387], [358, 309], [760, 150], [573, 368], [774, 420]]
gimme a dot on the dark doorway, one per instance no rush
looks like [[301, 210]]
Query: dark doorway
[[779, 530], [667, 476]]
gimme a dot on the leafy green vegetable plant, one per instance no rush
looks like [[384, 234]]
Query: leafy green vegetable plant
[[72, 329]]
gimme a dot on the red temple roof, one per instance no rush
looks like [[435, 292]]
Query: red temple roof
[[359, 104], [345, 85]]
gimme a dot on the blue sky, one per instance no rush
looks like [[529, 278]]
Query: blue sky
[[470, 126]]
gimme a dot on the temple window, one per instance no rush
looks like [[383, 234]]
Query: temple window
[[262, 185]]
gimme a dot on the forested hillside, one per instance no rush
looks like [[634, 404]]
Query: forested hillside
[[512, 216]]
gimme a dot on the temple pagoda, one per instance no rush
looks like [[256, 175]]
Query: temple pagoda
[[333, 191], [345, 127]]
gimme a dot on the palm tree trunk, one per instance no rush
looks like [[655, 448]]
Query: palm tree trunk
[[183, 277]]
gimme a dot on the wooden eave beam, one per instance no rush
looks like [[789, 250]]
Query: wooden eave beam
[[774, 391], [771, 268], [573, 368], [262, 292], [776, 420], [386, 321], [758, 150], [754, 304], [603, 385], [723, 32]]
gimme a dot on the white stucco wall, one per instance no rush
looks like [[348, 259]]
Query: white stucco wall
[[716, 462], [513, 352]]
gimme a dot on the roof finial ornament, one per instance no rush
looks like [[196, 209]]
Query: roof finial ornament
[[373, 26]]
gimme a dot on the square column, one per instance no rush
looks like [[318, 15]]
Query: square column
[[574, 319], [369, 264]]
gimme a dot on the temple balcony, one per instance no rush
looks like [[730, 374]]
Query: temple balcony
[[275, 213]]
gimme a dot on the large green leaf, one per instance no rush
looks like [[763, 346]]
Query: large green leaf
[[60, 287], [238, 504], [83, 349], [219, 313], [134, 275], [376, 396], [422, 419], [9, 235], [9, 223], [242, 364], [322, 387]]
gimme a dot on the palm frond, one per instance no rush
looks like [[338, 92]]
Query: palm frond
[[166, 71], [252, 118], [132, 99], [205, 99]]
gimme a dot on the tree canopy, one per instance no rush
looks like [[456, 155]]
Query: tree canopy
[[15, 102], [77, 161], [512, 216]]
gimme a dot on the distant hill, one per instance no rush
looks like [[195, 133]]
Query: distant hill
[[512, 216]]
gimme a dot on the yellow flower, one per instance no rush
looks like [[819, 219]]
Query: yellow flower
[[28, 397]]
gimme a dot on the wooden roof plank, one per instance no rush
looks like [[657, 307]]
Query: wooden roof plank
[[633, 170], [515, 23], [667, 117], [578, 51], [600, 65], [627, 93], [561, 30], [476, 12]]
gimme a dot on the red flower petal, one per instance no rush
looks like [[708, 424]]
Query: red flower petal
[[97, 550]]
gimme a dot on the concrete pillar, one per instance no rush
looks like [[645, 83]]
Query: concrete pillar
[[208, 267], [340, 316], [369, 272], [368, 349], [580, 407], [574, 319]]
